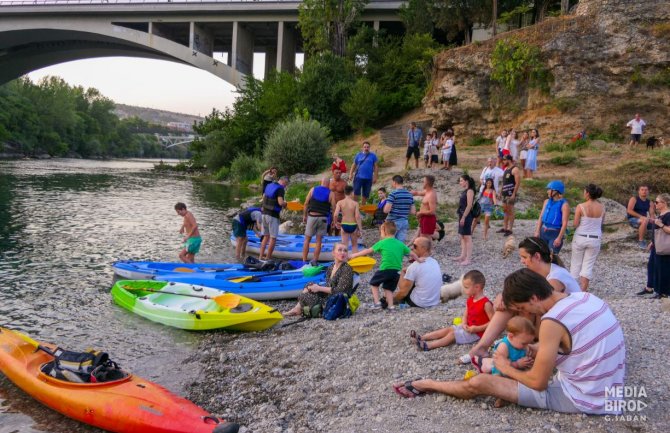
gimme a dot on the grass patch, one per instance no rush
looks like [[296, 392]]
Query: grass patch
[[554, 147], [479, 140], [566, 158], [297, 191], [565, 105], [612, 135], [661, 30]]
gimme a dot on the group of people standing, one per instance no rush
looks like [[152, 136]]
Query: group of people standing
[[523, 149], [433, 148]]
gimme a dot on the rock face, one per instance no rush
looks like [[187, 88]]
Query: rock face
[[608, 61]]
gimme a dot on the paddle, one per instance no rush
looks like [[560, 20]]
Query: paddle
[[253, 277], [32, 342], [362, 264], [294, 206], [227, 300]]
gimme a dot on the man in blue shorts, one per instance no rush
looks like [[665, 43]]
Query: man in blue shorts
[[364, 172]]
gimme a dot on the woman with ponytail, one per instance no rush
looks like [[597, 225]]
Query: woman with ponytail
[[589, 219]]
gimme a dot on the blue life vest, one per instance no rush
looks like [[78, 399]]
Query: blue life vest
[[270, 202], [319, 203], [245, 216], [553, 215]]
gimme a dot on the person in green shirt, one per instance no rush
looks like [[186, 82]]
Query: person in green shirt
[[392, 251]]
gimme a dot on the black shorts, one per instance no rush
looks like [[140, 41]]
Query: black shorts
[[635, 137], [387, 279], [465, 229], [433, 158], [412, 150]]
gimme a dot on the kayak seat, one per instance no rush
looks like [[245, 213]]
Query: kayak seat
[[104, 374], [242, 308], [200, 305]]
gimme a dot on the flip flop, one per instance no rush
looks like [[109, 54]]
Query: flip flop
[[422, 345], [477, 362], [409, 390], [414, 335]]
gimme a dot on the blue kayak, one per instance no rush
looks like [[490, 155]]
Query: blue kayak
[[289, 247], [145, 270], [267, 286]]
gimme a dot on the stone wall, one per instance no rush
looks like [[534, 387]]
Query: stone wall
[[601, 59]]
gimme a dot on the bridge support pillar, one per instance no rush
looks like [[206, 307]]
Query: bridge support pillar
[[270, 60], [286, 45], [201, 39], [243, 49]]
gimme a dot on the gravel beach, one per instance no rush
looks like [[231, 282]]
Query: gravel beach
[[336, 376]]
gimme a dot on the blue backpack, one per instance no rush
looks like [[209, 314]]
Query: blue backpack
[[337, 307]]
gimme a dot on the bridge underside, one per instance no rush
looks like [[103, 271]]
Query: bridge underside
[[221, 45]]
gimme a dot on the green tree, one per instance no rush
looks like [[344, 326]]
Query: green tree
[[324, 24], [454, 16], [325, 84], [418, 16], [361, 105]]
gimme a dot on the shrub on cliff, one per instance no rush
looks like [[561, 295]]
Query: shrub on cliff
[[297, 146], [516, 64]]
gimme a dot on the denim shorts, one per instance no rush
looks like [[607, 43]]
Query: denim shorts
[[362, 187], [401, 226]]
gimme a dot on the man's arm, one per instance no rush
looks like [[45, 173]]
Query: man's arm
[[353, 169], [336, 213], [331, 199], [538, 376], [304, 205], [631, 205], [404, 286], [375, 173], [389, 203], [280, 200], [565, 213]]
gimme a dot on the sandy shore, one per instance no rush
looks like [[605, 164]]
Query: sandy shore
[[336, 376]]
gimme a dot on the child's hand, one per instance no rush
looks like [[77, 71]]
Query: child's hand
[[525, 362]]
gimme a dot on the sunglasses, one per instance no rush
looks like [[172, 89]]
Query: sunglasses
[[659, 201], [415, 246]]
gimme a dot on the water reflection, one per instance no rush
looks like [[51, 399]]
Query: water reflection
[[62, 223]]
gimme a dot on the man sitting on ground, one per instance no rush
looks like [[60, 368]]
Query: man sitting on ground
[[420, 283], [579, 337], [640, 209]]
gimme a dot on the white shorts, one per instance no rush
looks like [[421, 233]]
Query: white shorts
[[552, 398], [464, 337]]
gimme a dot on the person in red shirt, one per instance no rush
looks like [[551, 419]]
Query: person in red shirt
[[476, 317], [338, 163]]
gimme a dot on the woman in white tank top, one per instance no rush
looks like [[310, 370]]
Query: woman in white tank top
[[589, 218]]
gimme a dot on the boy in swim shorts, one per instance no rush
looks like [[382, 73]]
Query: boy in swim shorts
[[189, 229], [351, 226]]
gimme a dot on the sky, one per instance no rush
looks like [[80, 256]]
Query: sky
[[150, 83]]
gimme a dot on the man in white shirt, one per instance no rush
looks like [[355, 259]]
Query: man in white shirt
[[500, 144], [420, 284], [491, 171], [636, 129]]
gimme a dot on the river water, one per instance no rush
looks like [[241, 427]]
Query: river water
[[62, 224]]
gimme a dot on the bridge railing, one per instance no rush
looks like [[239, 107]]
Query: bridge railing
[[123, 2]]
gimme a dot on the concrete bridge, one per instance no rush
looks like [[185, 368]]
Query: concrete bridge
[[220, 37]]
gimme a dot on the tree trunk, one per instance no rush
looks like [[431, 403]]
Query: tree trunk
[[565, 7], [541, 10], [495, 16]]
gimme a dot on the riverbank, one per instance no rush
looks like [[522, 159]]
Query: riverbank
[[336, 376]]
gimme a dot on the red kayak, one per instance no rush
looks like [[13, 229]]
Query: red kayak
[[127, 404]]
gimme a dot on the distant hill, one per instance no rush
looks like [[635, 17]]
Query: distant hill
[[160, 117]]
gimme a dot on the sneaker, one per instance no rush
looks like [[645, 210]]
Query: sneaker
[[391, 308], [465, 359], [383, 303], [642, 244], [507, 232], [373, 306], [501, 231], [644, 292]]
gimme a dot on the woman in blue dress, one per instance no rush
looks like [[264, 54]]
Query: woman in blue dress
[[531, 157]]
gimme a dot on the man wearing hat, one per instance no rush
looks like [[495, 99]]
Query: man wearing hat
[[510, 187]]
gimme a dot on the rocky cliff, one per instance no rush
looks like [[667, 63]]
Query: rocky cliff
[[608, 61]]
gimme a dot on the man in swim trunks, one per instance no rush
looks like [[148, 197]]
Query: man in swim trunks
[[426, 215], [337, 185], [189, 229], [351, 225]]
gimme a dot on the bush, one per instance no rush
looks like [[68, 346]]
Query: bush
[[479, 140], [361, 104], [516, 64], [223, 173], [245, 168], [566, 158], [297, 146]]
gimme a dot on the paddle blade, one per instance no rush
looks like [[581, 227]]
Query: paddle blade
[[369, 208], [182, 269], [362, 264], [294, 206], [228, 300], [25, 338], [241, 279], [311, 271]]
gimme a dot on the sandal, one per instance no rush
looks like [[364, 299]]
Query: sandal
[[407, 390], [414, 335], [422, 345], [477, 362]]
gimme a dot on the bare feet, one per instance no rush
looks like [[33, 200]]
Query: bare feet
[[500, 403], [291, 312], [458, 259], [464, 262]]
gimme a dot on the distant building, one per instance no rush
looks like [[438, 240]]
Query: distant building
[[180, 126]]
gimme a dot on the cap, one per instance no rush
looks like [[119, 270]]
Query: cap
[[508, 157]]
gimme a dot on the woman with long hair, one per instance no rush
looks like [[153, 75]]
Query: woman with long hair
[[589, 218], [531, 158], [465, 218]]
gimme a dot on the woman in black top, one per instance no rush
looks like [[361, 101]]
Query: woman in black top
[[465, 218]]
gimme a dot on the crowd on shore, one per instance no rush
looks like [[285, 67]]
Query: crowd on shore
[[544, 309]]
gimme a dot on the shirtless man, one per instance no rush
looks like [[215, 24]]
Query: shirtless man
[[426, 215], [189, 229], [351, 225], [337, 185]]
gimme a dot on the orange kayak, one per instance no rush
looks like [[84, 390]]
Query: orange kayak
[[129, 405]]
